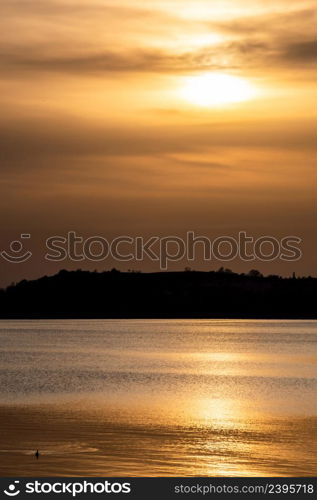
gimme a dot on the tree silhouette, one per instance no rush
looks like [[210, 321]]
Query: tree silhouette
[[115, 294]]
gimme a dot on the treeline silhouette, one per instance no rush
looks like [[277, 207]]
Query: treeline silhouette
[[187, 294]]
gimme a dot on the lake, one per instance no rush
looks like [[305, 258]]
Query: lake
[[158, 398]]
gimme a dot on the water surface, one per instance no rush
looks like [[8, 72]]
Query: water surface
[[158, 397]]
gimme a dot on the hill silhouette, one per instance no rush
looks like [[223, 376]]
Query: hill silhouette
[[187, 294]]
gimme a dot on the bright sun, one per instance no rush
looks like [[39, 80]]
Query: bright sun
[[216, 89]]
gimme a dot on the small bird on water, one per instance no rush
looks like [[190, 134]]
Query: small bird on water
[[37, 454]]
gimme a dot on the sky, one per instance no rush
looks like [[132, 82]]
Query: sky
[[153, 117]]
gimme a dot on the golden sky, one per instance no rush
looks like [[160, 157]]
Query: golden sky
[[158, 117]]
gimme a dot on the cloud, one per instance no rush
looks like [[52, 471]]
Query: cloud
[[67, 37], [35, 141], [245, 53], [272, 39], [281, 23], [303, 52], [139, 60]]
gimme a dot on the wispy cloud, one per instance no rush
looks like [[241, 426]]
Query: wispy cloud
[[250, 42], [303, 52]]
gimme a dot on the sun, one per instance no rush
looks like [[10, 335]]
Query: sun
[[216, 89]]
